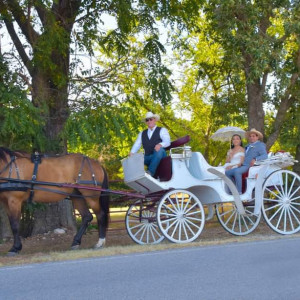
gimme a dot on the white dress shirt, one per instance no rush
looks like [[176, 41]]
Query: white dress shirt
[[164, 135]]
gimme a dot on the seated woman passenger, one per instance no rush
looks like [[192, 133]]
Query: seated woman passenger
[[236, 155], [255, 151]]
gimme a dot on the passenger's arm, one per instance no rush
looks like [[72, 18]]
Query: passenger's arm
[[262, 152]]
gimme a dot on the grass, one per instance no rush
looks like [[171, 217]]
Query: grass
[[130, 249]]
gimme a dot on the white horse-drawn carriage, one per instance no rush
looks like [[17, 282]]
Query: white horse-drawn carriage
[[186, 191]]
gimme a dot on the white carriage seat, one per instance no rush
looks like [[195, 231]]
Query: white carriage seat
[[198, 167]]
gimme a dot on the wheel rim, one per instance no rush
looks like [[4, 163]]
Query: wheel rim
[[281, 201], [234, 222], [143, 230], [180, 216]]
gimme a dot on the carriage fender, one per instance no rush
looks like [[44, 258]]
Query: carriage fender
[[232, 188], [258, 188]]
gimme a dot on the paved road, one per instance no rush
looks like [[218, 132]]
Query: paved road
[[256, 270]]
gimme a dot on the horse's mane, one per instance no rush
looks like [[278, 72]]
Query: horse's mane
[[4, 152]]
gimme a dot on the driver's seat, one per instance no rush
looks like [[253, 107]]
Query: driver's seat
[[164, 170]]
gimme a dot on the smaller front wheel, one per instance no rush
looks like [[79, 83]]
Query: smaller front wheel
[[180, 216], [141, 223], [235, 223]]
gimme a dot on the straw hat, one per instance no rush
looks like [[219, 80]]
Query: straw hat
[[149, 115], [253, 130]]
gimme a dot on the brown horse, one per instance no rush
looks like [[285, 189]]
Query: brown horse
[[26, 177]]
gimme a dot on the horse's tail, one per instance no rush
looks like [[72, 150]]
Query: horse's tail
[[104, 200]]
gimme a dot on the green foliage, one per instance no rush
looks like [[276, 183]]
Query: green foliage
[[20, 122]]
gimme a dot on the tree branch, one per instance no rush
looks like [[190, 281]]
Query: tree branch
[[285, 104], [23, 21], [19, 45]]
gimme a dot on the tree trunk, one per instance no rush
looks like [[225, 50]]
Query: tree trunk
[[56, 215], [256, 115], [60, 214], [5, 231]]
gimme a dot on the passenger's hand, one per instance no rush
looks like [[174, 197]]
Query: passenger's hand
[[157, 147]]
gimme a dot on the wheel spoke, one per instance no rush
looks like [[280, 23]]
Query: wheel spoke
[[286, 184], [274, 206], [194, 219], [284, 220], [291, 187], [275, 185], [172, 203], [174, 230], [295, 192], [293, 207], [187, 203], [169, 208], [270, 191], [227, 212], [169, 220], [280, 217], [246, 225], [188, 226], [195, 204], [293, 199], [192, 213], [234, 222], [290, 219], [192, 223], [291, 210], [272, 200], [233, 213]]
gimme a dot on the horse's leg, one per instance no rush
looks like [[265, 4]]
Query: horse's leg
[[13, 208], [86, 217], [102, 227], [103, 214]]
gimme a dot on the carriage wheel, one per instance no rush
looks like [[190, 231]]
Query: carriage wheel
[[180, 216], [141, 223], [234, 222], [281, 201]]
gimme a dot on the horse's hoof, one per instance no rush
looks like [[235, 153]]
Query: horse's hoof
[[100, 244], [75, 247], [10, 254]]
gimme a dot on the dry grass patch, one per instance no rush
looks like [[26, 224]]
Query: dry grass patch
[[55, 248]]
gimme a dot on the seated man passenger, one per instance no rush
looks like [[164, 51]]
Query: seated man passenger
[[255, 150], [154, 139]]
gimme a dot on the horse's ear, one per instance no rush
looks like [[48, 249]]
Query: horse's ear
[[4, 152]]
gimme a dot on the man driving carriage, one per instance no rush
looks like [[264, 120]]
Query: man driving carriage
[[154, 139], [255, 150]]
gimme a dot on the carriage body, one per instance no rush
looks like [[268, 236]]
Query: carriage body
[[195, 182]]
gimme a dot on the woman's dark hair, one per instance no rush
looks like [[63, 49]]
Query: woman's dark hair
[[240, 139]]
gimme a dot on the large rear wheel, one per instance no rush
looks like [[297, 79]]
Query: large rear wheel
[[180, 216], [281, 201], [141, 223]]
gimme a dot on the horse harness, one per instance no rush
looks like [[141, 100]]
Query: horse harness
[[36, 159]]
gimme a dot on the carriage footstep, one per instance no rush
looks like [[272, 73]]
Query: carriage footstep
[[249, 203]]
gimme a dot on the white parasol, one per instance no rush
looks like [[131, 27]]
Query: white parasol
[[225, 134]]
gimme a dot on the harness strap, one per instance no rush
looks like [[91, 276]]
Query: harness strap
[[85, 158], [36, 159]]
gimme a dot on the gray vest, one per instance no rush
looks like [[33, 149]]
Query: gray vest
[[149, 145]]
